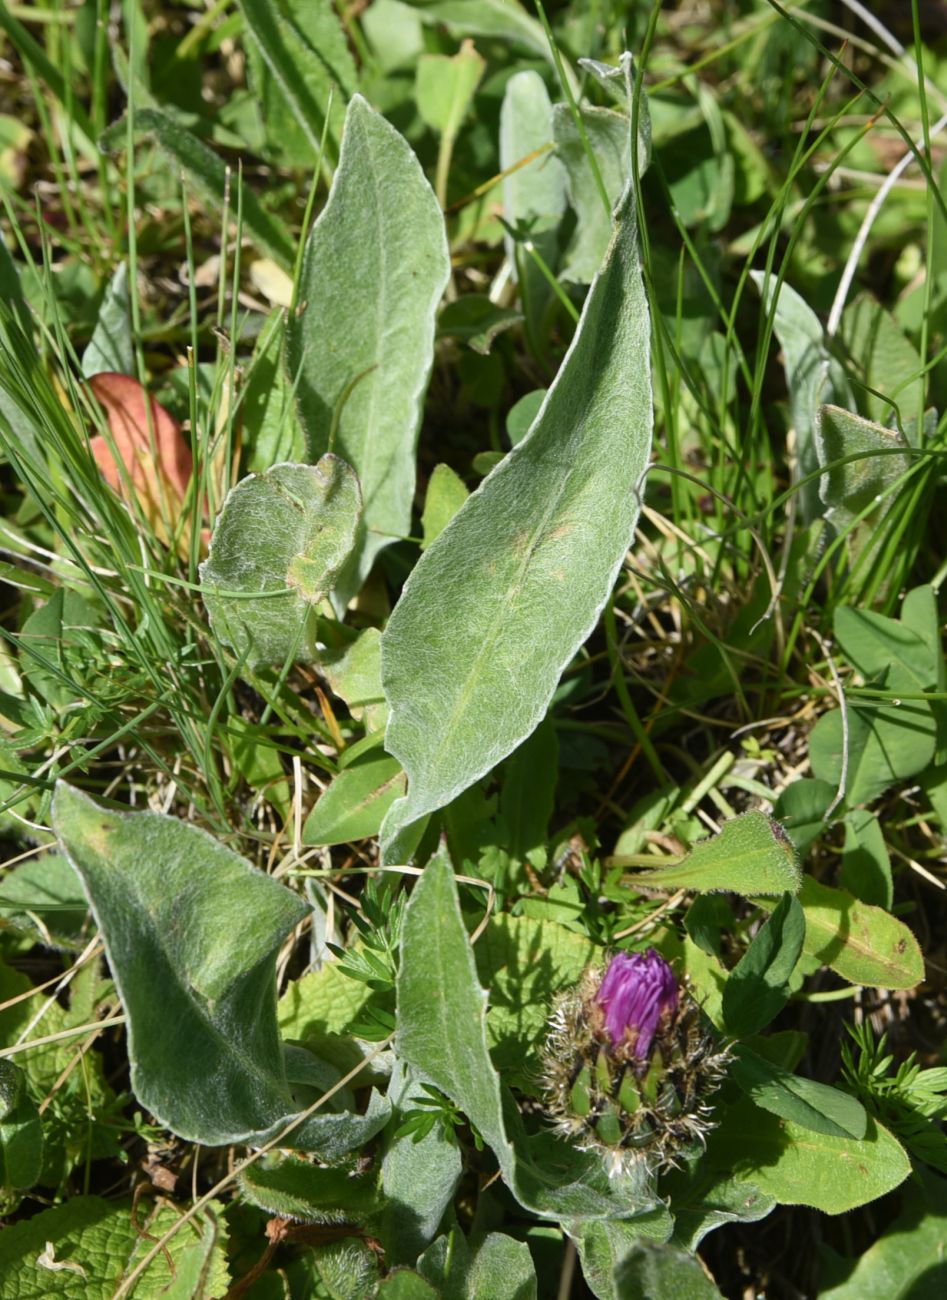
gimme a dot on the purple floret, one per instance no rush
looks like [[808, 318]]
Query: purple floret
[[638, 989]]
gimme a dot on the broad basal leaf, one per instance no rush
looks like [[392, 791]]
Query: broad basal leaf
[[191, 931], [419, 1176], [361, 345], [501, 601], [277, 548]]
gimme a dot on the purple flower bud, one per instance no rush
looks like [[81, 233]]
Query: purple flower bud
[[638, 990]]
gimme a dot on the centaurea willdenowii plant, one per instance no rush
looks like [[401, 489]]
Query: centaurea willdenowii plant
[[630, 1064]]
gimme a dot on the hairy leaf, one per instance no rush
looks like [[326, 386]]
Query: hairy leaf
[[442, 1033], [751, 855], [520, 574], [191, 931], [278, 545], [375, 266]]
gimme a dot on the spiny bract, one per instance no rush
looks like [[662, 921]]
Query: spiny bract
[[630, 1063]]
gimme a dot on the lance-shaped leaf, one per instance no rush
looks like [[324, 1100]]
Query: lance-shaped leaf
[[191, 931], [751, 854], [607, 133], [534, 196], [375, 267], [503, 598], [279, 544]]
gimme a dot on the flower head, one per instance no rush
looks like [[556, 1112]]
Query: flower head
[[638, 993], [630, 1064]]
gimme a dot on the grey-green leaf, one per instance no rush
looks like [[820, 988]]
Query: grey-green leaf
[[520, 574], [651, 1271], [418, 1178], [534, 196], [278, 545], [498, 1266], [298, 1189], [191, 931], [608, 133], [856, 488], [374, 269], [888, 361]]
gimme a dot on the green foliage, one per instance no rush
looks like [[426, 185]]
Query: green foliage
[[547, 531], [751, 855], [907, 1260], [759, 984], [360, 348], [393, 725], [277, 549], [797, 1166], [158, 889], [82, 1249], [910, 1100]]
